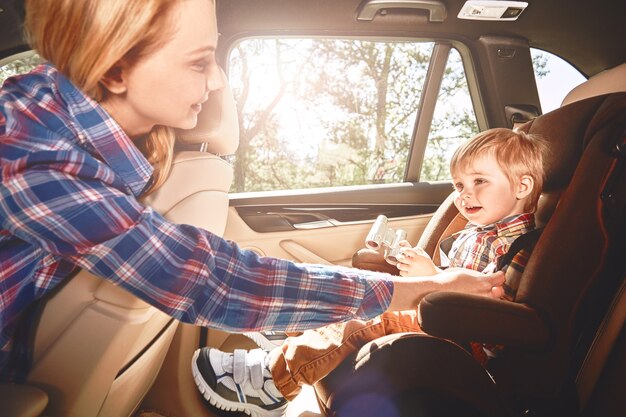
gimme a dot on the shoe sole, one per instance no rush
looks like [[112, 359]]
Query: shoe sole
[[216, 400]]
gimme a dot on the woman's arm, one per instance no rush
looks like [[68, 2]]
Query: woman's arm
[[72, 207], [75, 208], [408, 292]]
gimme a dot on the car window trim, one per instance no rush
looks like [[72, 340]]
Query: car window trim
[[426, 110]]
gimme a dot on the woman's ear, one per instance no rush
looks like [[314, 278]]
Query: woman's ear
[[525, 186], [114, 79]]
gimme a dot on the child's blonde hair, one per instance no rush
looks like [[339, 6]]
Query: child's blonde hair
[[516, 152], [85, 39]]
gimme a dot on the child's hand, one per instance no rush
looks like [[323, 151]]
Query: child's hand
[[414, 262]]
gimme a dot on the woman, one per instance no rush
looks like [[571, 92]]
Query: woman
[[83, 136]]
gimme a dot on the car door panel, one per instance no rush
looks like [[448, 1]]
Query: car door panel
[[329, 226]]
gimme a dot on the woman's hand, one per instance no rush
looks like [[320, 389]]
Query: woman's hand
[[409, 291], [470, 282]]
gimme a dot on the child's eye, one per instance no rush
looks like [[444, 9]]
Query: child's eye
[[479, 181], [458, 186]]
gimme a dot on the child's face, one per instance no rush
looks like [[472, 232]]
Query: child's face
[[484, 194], [168, 86]]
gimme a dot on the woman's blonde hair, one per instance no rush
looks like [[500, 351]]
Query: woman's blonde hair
[[516, 152], [84, 39]]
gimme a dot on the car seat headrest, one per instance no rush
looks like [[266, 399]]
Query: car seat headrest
[[218, 126], [567, 131], [608, 81]]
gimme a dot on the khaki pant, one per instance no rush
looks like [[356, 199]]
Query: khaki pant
[[309, 357]]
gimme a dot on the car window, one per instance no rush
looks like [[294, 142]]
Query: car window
[[18, 64], [337, 112], [555, 78], [453, 122], [333, 112]]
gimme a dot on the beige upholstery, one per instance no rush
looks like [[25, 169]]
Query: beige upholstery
[[98, 348], [609, 81], [22, 400]]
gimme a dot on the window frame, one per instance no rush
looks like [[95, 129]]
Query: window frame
[[418, 142], [562, 90]]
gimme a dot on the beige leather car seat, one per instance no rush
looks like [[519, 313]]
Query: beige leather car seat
[[98, 348], [612, 80]]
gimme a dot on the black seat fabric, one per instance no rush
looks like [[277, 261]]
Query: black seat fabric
[[565, 293]]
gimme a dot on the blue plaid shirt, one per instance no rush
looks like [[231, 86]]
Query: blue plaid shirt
[[70, 179]]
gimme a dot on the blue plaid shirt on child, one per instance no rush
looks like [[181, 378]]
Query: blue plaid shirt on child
[[70, 179]]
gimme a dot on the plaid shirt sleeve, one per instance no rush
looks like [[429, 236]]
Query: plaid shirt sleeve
[[76, 209]]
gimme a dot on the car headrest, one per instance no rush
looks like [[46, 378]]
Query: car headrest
[[609, 81], [218, 126], [567, 130]]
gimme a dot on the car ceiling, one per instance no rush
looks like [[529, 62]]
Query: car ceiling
[[590, 35]]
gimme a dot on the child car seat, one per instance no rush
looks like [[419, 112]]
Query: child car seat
[[572, 287]]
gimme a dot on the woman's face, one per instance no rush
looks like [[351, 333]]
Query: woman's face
[[169, 86]]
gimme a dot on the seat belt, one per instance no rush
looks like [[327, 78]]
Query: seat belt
[[526, 241]]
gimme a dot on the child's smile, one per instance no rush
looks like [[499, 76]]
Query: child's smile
[[471, 209]]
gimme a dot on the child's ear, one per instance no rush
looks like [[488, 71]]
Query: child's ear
[[525, 186], [114, 79]]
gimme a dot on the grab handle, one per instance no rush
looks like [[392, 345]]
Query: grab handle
[[368, 9]]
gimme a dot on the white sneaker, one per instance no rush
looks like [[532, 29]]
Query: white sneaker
[[239, 381], [267, 340]]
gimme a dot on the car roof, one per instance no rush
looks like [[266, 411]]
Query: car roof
[[587, 34]]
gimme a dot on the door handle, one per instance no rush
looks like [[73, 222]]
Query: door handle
[[368, 9], [314, 225]]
